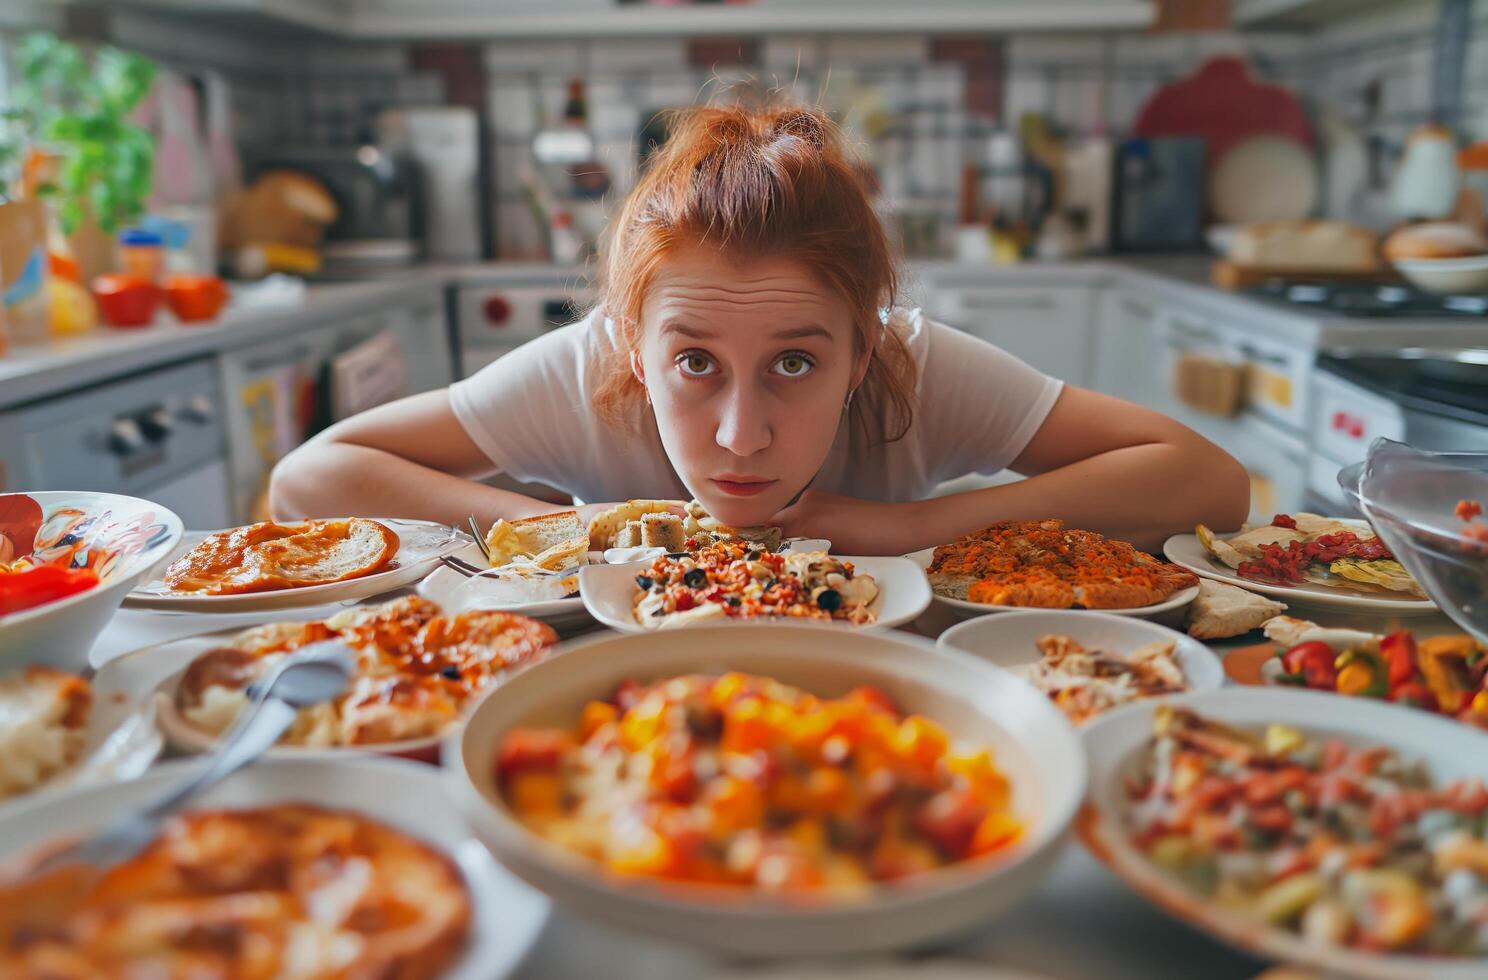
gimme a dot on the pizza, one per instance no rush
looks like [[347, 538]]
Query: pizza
[[417, 669], [1043, 564], [267, 557], [280, 891]]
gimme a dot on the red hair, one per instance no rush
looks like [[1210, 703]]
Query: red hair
[[760, 182]]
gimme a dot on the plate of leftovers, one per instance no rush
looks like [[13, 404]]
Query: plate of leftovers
[[268, 566], [66, 561], [58, 729], [773, 791], [290, 867], [1445, 673], [529, 566], [1044, 565], [1088, 663], [1307, 559], [1343, 835], [418, 669], [738, 582]]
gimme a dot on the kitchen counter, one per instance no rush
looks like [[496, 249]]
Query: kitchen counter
[[28, 373]]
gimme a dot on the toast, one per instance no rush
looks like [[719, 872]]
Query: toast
[[553, 542]]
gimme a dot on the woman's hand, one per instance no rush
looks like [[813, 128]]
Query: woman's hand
[[858, 527]]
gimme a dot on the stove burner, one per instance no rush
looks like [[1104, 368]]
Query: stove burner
[[1365, 299]]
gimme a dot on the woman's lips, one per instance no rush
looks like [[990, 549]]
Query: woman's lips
[[742, 486]]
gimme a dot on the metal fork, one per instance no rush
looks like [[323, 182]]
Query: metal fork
[[310, 675], [480, 539], [462, 567]]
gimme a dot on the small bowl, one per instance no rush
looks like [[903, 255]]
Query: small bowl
[[1007, 640], [1113, 741], [119, 537], [1410, 498], [976, 702], [1446, 276]]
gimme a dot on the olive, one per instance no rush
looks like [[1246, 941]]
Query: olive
[[734, 600], [644, 582], [755, 555], [674, 555], [829, 599], [694, 578], [452, 672]]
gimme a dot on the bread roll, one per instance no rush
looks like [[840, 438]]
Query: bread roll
[[1435, 240]]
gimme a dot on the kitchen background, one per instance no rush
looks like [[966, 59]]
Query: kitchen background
[[470, 152]]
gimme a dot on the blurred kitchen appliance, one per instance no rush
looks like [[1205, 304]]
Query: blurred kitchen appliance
[[1371, 299], [157, 435], [444, 141], [378, 194], [1157, 194], [501, 315]]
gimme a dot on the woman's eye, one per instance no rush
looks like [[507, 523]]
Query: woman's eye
[[695, 364], [794, 365]]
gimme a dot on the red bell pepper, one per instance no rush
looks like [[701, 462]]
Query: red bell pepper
[[1313, 662], [40, 584], [1399, 653], [1414, 693]]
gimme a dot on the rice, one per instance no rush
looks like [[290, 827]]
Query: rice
[[36, 740]]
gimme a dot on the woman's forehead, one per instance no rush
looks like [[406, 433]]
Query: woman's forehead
[[709, 286]]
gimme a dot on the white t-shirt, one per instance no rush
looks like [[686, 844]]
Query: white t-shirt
[[531, 413]]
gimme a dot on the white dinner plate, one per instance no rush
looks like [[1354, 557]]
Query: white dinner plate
[[454, 591], [507, 916], [420, 546], [1176, 601], [1010, 641], [1112, 743], [1186, 550], [608, 591]]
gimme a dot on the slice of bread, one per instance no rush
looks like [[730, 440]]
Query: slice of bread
[[628, 536], [607, 525], [662, 531], [546, 535]]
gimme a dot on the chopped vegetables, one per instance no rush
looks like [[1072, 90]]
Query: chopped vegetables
[[36, 585], [1342, 844], [1468, 509], [742, 780]]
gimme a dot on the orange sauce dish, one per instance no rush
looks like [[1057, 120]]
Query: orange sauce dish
[[266, 557]]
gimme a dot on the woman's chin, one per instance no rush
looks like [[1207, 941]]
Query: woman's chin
[[741, 511]]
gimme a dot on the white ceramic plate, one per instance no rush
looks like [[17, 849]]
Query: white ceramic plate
[[1008, 641], [421, 545], [1446, 276], [1113, 741], [507, 915], [903, 593], [1176, 601], [119, 537], [1185, 550], [976, 702], [453, 591]]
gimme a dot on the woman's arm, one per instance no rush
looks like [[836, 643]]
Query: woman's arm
[[1097, 462], [408, 458]]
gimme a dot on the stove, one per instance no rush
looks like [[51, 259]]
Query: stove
[[1370, 299]]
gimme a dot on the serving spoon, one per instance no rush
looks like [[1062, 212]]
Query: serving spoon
[[310, 675]]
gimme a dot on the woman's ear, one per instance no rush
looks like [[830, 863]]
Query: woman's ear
[[635, 367], [860, 370]]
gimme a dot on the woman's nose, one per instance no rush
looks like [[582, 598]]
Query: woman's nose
[[743, 428]]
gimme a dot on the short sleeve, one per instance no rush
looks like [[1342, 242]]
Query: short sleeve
[[979, 406], [528, 411]]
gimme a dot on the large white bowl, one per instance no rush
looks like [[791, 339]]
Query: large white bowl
[[609, 591], [1113, 741], [507, 915], [1008, 640], [976, 703], [120, 537], [1446, 276]]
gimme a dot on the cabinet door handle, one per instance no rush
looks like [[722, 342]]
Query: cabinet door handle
[[1190, 332], [994, 303]]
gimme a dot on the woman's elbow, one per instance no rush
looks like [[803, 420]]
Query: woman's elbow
[[1227, 502], [294, 482]]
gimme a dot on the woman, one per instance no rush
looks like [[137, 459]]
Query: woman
[[739, 355]]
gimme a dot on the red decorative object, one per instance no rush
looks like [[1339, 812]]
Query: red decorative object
[[1222, 104]]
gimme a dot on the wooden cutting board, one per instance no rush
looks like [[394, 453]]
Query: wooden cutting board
[[1230, 275]]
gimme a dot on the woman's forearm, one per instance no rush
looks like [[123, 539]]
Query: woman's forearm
[[337, 479], [1142, 494]]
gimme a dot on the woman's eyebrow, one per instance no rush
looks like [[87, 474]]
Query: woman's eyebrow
[[801, 332]]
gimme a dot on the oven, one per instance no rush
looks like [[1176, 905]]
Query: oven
[[494, 318], [157, 435]]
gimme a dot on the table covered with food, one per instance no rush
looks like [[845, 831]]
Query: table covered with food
[[653, 744]]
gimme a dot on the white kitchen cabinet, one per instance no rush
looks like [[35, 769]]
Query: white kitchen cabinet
[[1127, 338], [1047, 326]]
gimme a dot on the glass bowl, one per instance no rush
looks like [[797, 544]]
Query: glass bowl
[[1410, 497]]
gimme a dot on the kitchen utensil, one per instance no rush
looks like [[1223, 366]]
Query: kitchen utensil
[[1428, 178], [480, 538], [1448, 748], [506, 916], [1157, 200], [309, 676], [1410, 497], [466, 585], [1263, 178], [976, 702], [1222, 104], [119, 537]]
